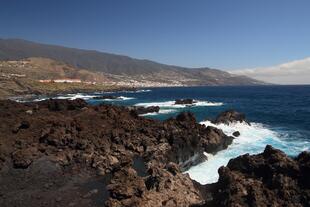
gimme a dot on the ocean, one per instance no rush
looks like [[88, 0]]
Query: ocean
[[279, 116]]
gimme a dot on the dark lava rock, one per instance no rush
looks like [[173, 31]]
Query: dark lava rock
[[106, 97], [267, 179], [184, 101], [140, 159], [21, 125], [187, 117], [22, 158], [63, 104], [230, 116], [215, 140], [236, 134], [189, 144], [144, 110], [173, 168], [87, 141]]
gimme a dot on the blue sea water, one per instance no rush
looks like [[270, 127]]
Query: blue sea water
[[279, 115]]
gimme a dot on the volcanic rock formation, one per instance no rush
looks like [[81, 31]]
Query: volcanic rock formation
[[68, 153]]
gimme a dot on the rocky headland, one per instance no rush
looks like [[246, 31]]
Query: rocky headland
[[68, 153]]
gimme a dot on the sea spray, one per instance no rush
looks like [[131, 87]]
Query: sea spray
[[252, 140], [171, 104], [161, 111]]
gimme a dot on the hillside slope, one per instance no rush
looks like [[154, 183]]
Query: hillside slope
[[38, 68], [38, 75], [121, 68]]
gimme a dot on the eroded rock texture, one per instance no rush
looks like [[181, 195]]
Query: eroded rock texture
[[267, 179], [67, 153]]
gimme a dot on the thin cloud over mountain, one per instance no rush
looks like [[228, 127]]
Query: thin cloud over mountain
[[295, 72]]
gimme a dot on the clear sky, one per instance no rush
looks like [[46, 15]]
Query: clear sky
[[224, 34]]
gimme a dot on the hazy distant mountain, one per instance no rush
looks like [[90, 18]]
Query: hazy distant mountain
[[295, 72], [120, 67]]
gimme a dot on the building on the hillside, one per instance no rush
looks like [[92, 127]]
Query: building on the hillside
[[45, 81], [67, 81]]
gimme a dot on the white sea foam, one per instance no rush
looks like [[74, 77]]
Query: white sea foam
[[126, 98], [37, 99], [81, 96], [75, 96], [138, 91], [143, 91], [252, 140], [119, 98], [161, 111], [171, 104]]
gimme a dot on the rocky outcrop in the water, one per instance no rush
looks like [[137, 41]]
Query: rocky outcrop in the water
[[74, 154], [106, 97], [236, 134], [189, 143], [187, 101], [216, 141], [267, 179], [144, 110], [230, 116]]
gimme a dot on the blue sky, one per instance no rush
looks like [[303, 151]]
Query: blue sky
[[225, 34]]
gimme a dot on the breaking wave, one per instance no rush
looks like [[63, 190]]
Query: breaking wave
[[85, 97], [161, 111], [170, 104], [253, 139]]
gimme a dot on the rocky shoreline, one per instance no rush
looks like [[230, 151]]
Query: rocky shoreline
[[68, 153], [32, 95]]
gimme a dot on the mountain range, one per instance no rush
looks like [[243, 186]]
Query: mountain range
[[121, 69]]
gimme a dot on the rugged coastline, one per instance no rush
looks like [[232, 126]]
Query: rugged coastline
[[68, 153], [28, 89]]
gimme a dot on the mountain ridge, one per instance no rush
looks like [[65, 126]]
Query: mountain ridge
[[120, 67]]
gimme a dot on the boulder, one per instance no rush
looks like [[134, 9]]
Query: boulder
[[236, 134], [215, 140], [230, 116]]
